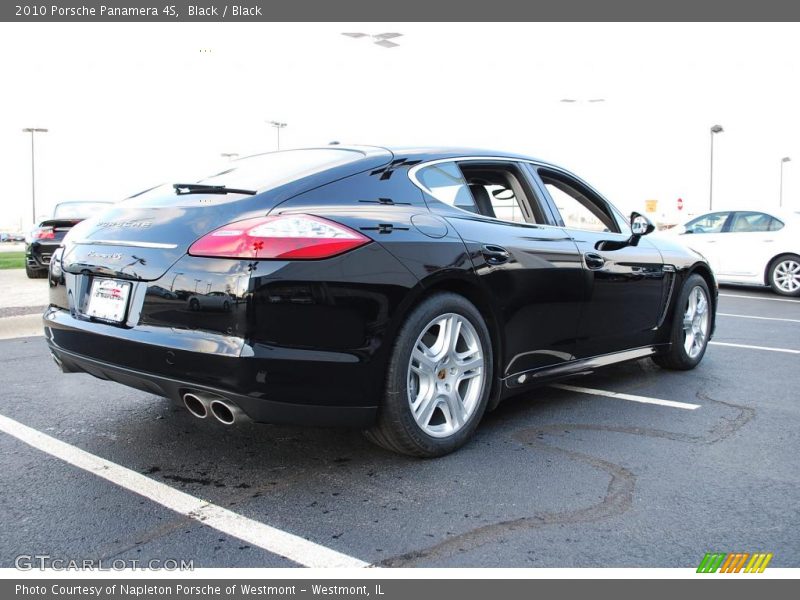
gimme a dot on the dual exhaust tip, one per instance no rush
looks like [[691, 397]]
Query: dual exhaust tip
[[202, 405]]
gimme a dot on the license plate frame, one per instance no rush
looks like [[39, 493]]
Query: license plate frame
[[108, 300]]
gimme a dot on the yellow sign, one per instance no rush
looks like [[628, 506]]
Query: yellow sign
[[651, 205]]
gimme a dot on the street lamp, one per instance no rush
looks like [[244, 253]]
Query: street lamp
[[229, 155], [278, 126], [784, 160], [33, 131], [714, 129]]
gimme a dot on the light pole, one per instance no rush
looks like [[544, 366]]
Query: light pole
[[278, 126], [714, 129], [229, 155], [784, 160], [172, 286], [33, 131]]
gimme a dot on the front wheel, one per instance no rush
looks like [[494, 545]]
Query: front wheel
[[439, 379], [691, 326], [784, 275]]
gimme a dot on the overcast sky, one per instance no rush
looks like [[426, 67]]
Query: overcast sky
[[132, 105]]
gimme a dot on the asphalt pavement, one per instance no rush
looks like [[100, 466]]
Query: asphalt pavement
[[554, 478]]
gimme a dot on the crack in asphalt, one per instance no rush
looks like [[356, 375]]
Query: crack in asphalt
[[619, 493]]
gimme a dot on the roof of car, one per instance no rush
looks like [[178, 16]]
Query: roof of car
[[437, 152]]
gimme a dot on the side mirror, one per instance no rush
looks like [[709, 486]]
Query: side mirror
[[641, 225]]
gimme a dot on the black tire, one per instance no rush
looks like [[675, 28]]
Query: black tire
[[35, 273], [771, 273], [396, 429], [677, 357], [194, 304]]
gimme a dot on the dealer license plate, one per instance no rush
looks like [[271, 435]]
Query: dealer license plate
[[108, 299]]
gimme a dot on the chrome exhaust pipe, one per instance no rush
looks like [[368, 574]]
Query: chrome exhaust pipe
[[197, 404], [225, 412]]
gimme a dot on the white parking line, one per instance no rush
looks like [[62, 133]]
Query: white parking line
[[749, 347], [760, 298], [719, 314], [629, 397], [295, 548]]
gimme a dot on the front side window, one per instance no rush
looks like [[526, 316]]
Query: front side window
[[579, 208], [754, 221], [710, 223]]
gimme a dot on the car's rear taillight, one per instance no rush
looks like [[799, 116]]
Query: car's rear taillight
[[291, 237], [44, 233]]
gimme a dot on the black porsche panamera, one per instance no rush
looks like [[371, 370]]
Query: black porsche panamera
[[404, 292]]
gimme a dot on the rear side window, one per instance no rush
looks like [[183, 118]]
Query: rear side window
[[445, 182], [754, 221]]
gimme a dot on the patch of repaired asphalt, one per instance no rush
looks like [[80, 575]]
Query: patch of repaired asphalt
[[618, 497]]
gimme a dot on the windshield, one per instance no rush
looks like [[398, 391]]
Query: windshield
[[79, 210]]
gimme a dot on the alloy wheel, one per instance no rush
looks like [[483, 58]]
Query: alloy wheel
[[786, 275], [695, 322], [445, 375]]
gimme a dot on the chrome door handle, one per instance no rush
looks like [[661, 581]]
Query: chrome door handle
[[594, 261], [495, 255]]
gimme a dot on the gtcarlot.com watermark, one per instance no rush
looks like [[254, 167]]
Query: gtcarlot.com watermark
[[42, 562]]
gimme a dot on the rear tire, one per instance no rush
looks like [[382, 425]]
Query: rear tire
[[783, 275], [691, 327], [438, 381], [35, 273]]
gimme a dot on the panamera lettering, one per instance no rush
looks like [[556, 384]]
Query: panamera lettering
[[125, 224], [114, 256]]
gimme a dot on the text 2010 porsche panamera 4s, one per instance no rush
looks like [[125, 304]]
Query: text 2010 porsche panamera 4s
[[401, 291]]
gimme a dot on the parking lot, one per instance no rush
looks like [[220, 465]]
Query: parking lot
[[629, 467]]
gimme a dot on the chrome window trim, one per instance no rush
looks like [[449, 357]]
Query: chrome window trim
[[412, 175], [615, 213], [154, 245]]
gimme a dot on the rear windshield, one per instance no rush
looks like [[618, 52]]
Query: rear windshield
[[79, 210], [266, 171], [271, 170]]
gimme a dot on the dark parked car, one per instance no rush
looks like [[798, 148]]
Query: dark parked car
[[405, 292], [47, 236]]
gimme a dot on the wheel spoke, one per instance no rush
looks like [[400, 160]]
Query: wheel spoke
[[422, 361], [702, 306], [455, 332], [423, 411], [468, 364], [455, 410]]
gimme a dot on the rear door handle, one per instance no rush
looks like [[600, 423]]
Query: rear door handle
[[594, 261], [495, 255]]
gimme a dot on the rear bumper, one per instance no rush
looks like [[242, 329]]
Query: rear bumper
[[37, 255], [304, 392]]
